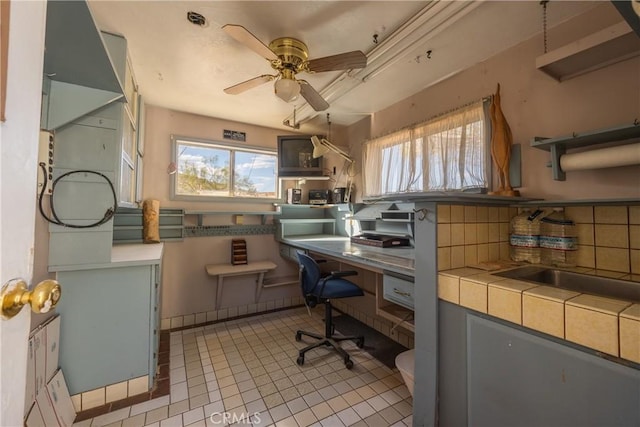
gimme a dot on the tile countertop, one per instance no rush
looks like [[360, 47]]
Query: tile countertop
[[607, 325]]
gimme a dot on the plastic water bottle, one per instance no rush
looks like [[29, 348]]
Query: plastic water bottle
[[525, 237], [558, 240]]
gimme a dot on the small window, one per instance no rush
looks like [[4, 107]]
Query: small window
[[213, 170]]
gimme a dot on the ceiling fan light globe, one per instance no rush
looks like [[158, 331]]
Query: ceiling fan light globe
[[287, 89]]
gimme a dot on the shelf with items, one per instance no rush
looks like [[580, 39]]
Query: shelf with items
[[558, 146], [128, 225], [202, 213]]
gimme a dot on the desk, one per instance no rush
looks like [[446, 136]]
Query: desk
[[227, 270], [379, 261]]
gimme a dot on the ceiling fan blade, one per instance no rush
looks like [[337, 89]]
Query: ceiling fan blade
[[314, 99], [249, 84], [245, 37], [342, 61]]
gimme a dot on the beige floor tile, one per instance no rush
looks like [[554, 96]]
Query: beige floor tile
[[256, 356], [305, 418], [321, 410], [157, 415], [338, 403]]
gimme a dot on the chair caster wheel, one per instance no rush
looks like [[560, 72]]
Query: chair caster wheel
[[360, 342], [300, 360], [298, 338], [348, 364]]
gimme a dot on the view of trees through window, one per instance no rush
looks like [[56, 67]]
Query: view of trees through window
[[215, 170]]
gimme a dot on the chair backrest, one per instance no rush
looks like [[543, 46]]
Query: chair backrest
[[309, 273]]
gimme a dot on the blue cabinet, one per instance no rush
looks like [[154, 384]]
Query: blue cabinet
[[110, 320], [494, 373], [103, 141]]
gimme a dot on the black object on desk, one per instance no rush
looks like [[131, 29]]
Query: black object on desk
[[379, 240]]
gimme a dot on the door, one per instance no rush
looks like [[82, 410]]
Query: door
[[18, 166]]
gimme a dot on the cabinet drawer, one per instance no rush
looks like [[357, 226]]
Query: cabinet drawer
[[398, 289]]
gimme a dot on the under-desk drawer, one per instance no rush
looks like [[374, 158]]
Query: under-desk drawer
[[398, 289], [289, 252]]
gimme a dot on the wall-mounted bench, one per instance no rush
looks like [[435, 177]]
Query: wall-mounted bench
[[227, 270]]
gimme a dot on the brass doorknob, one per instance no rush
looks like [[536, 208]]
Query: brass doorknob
[[15, 295]]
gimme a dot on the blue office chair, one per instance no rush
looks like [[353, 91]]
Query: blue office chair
[[319, 289]]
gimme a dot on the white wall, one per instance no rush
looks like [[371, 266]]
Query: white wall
[[536, 105], [18, 165], [186, 287]]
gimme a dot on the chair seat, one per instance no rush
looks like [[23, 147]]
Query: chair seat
[[340, 288]]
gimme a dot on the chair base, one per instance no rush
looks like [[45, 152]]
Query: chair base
[[328, 340]]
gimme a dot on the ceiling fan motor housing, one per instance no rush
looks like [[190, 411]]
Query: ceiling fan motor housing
[[292, 52]]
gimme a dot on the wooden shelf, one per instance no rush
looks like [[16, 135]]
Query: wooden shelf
[[608, 46]]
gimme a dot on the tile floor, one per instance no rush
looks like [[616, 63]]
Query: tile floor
[[243, 372]]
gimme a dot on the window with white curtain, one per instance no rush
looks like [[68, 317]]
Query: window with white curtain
[[448, 153]]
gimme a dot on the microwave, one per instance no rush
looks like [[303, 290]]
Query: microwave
[[318, 197]]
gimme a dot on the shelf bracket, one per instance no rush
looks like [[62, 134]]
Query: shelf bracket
[[556, 152]]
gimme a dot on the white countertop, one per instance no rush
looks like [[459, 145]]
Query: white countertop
[[125, 255], [147, 253]]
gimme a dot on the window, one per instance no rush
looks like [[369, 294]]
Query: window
[[207, 169], [448, 153]]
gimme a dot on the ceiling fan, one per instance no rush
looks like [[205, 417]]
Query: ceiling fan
[[289, 56]]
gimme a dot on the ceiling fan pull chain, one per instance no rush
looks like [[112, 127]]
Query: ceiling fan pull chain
[[544, 22]]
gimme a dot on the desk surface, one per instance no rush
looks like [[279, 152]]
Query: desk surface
[[398, 259]]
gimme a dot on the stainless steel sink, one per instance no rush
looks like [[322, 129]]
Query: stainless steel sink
[[583, 283]]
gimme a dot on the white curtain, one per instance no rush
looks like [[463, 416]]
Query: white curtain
[[448, 153]]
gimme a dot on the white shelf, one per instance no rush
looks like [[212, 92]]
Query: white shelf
[[304, 178], [200, 214], [605, 47], [306, 220]]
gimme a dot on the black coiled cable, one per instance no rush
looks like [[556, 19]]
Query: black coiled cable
[[55, 220]]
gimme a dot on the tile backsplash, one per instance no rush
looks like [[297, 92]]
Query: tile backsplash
[[469, 235], [608, 236]]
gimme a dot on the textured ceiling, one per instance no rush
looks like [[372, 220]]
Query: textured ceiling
[[185, 67]]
